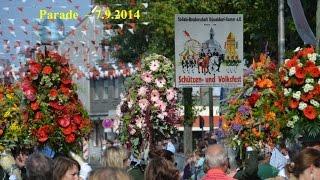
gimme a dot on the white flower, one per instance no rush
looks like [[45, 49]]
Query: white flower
[[118, 111], [297, 49], [290, 124], [307, 87], [295, 118], [314, 103], [319, 81], [286, 92], [286, 78], [312, 57], [154, 65], [302, 106], [130, 104], [296, 95], [162, 115], [160, 82], [300, 64], [286, 60], [309, 80], [292, 71]]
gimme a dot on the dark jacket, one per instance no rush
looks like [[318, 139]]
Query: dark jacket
[[250, 168]]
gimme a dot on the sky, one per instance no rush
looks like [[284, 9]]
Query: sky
[[19, 20]]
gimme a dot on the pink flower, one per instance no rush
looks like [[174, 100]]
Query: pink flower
[[140, 122], [162, 115], [155, 95], [171, 94], [154, 65], [143, 103], [132, 131], [160, 82], [162, 105], [147, 77], [142, 91]]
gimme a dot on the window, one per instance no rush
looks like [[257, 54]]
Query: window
[[95, 90], [116, 86], [106, 89]]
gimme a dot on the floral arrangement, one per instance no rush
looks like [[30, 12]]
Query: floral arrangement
[[12, 127], [148, 112], [53, 112], [252, 116], [300, 77]]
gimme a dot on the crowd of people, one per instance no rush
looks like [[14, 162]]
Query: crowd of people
[[210, 161]]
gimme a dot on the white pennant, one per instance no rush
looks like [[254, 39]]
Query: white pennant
[[60, 33], [63, 7], [145, 5], [11, 21], [6, 8], [23, 28], [84, 33], [131, 30], [37, 33], [120, 25], [13, 33], [24, 1], [145, 23], [108, 31]]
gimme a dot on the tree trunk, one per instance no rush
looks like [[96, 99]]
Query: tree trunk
[[188, 121]]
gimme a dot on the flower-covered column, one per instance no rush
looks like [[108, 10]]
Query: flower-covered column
[[54, 113], [148, 112]]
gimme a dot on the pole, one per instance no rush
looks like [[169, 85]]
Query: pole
[[188, 120], [211, 110], [281, 35], [318, 25]]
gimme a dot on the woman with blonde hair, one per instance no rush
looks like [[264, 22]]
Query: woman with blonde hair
[[116, 157], [109, 173]]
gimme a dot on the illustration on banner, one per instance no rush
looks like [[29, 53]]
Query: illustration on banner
[[209, 56]]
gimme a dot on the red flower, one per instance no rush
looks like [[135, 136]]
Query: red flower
[[64, 121], [300, 72], [38, 115], [54, 56], [314, 71], [293, 104], [292, 62], [70, 138], [34, 67], [77, 119], [65, 90], [56, 105], [306, 97], [47, 70], [35, 106], [70, 129], [253, 98], [66, 80], [310, 112], [310, 64], [305, 52], [299, 81], [30, 93], [53, 93], [42, 133], [272, 66]]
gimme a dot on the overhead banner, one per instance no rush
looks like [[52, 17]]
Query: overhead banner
[[209, 50]]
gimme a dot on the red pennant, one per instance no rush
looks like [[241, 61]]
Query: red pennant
[[26, 21], [77, 7], [20, 9]]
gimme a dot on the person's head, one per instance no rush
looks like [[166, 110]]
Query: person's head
[[306, 165], [39, 167], [109, 173], [20, 155], [160, 168], [116, 157], [216, 157], [65, 168]]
